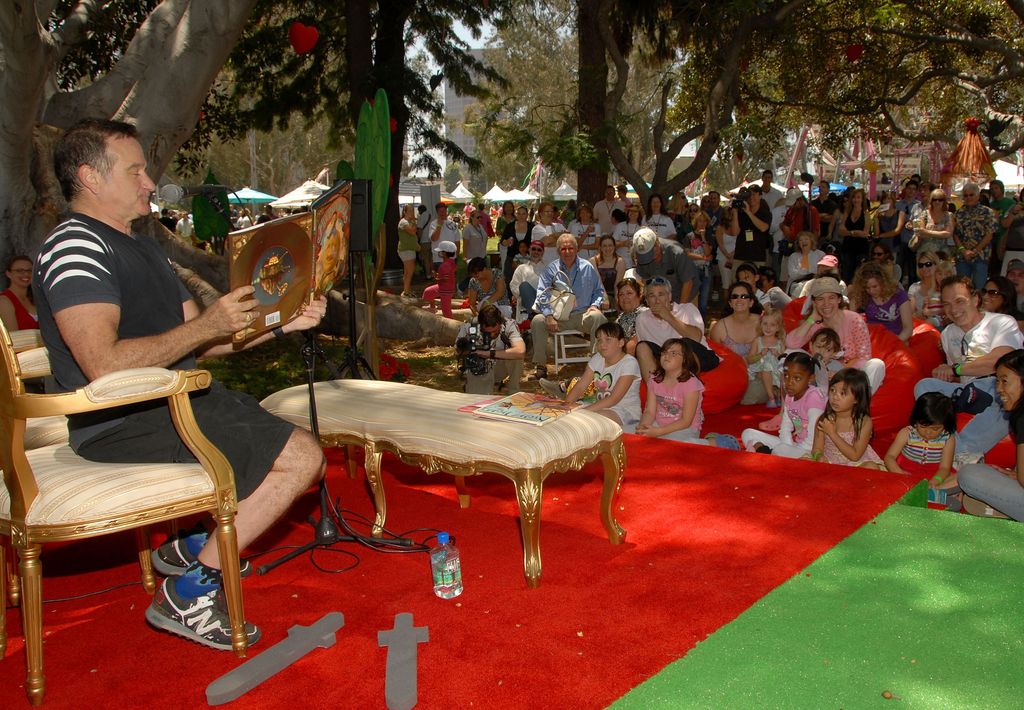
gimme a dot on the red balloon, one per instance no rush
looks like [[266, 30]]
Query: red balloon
[[854, 51], [302, 37]]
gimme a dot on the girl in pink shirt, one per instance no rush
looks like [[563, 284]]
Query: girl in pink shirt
[[674, 395], [801, 408]]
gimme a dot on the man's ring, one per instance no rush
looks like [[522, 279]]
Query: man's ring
[[249, 317]]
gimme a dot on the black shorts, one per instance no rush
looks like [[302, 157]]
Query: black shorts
[[250, 437]]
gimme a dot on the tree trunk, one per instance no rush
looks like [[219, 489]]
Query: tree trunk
[[593, 64], [159, 83]]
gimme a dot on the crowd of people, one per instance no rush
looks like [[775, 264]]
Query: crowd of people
[[642, 280]]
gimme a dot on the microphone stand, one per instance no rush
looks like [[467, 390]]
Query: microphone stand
[[325, 529]]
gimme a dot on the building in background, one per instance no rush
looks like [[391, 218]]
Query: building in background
[[455, 106]]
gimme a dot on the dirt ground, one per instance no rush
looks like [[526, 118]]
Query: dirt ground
[[437, 367]]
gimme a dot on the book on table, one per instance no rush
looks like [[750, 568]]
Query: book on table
[[526, 407]]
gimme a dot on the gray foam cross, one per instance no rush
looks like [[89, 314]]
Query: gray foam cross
[[400, 680]]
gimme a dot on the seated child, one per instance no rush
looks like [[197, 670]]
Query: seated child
[[674, 396], [843, 434], [801, 407], [826, 349], [616, 377], [926, 447], [444, 289], [765, 357]]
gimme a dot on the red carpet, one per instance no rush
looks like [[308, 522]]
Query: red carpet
[[709, 533]]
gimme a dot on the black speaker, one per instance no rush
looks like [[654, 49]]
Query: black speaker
[[359, 225]]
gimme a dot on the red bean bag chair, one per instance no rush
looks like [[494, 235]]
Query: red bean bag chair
[[723, 387], [891, 404], [791, 315], [926, 346]]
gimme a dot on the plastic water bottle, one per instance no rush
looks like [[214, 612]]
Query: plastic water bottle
[[447, 570]]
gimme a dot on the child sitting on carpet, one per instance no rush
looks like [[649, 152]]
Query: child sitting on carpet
[[616, 376], [926, 447], [765, 356], [843, 433], [801, 407], [824, 349], [674, 395]]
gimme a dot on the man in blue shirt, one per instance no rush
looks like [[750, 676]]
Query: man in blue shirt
[[579, 275]]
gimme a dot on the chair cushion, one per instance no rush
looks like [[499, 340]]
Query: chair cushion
[[420, 420], [45, 431], [72, 489]]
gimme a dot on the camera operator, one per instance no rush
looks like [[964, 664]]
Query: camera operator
[[490, 349], [752, 221]]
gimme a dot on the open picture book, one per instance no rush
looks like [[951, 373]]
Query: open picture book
[[526, 407], [291, 260]]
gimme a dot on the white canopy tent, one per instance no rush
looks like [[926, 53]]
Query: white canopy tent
[[300, 196], [461, 192], [495, 194], [565, 191], [1011, 175], [520, 196]]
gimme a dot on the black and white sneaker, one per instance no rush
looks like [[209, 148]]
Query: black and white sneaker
[[172, 558], [203, 619]]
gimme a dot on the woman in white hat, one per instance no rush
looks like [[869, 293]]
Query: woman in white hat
[[829, 311]]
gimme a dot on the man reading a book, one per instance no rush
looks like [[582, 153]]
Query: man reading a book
[[492, 350], [108, 300]]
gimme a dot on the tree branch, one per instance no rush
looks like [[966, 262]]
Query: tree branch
[[107, 95], [74, 26]]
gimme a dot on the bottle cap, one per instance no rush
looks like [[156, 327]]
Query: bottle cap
[[442, 538]]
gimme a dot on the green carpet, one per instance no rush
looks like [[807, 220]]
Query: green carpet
[[922, 604]]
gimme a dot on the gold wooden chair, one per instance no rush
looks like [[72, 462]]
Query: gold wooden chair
[[50, 494]]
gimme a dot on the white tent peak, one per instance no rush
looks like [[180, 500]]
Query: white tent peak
[[461, 192]]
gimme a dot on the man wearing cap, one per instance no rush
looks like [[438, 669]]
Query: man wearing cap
[[753, 223], [579, 275], [527, 277], [829, 311], [661, 257], [973, 342]]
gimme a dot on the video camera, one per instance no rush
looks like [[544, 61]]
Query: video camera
[[475, 339], [741, 197]]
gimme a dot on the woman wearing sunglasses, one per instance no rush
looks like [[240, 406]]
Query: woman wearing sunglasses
[[934, 228], [1000, 296], [924, 295], [737, 330]]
